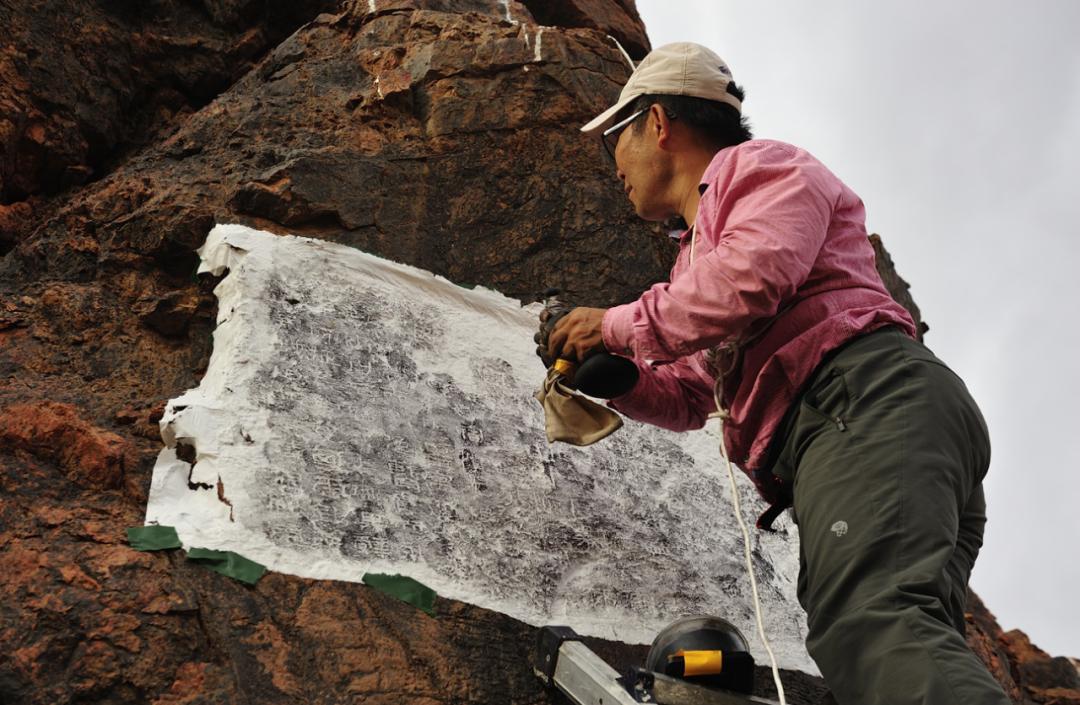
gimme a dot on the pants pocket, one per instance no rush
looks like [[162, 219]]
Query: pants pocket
[[829, 399]]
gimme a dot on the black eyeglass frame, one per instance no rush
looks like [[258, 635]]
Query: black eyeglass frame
[[615, 130]]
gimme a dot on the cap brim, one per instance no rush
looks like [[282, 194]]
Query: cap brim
[[602, 121]]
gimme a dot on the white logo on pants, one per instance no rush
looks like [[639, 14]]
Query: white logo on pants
[[839, 528]]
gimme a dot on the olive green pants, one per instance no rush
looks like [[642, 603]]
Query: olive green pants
[[886, 451]]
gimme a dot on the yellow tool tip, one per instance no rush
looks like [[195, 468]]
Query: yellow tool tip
[[564, 367]]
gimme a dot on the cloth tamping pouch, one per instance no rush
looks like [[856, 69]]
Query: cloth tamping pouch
[[573, 418]]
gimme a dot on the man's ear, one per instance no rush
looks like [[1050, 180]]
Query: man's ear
[[660, 124]]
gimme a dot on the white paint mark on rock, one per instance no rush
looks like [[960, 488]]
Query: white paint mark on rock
[[506, 9], [623, 51]]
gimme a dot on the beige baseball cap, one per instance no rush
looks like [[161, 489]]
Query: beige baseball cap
[[682, 68]]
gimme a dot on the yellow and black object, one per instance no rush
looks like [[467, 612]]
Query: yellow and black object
[[705, 650], [562, 661], [603, 375], [733, 670], [687, 664]]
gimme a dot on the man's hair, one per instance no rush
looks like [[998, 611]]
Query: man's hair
[[717, 122]]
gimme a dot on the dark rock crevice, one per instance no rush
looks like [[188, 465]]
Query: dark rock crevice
[[618, 18], [86, 84]]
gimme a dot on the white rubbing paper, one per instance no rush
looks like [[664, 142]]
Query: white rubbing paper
[[360, 415]]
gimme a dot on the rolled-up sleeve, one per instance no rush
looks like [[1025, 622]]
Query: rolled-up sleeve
[[674, 396]]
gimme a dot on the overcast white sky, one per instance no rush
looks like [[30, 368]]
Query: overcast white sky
[[958, 123]]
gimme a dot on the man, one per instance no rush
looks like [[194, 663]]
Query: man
[[775, 310]]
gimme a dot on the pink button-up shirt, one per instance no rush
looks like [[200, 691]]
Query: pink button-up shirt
[[781, 264]]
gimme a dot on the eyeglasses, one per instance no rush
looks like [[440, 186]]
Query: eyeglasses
[[610, 136]]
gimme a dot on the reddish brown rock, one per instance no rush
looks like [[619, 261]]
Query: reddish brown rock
[[1046, 679], [100, 314], [1028, 674], [402, 100], [984, 638], [617, 18], [83, 83], [90, 456], [896, 285], [13, 217]]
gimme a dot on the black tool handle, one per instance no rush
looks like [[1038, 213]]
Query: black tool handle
[[606, 376]]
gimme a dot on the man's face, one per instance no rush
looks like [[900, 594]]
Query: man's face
[[639, 164]]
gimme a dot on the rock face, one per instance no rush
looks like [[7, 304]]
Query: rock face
[[82, 85], [440, 133], [1028, 674]]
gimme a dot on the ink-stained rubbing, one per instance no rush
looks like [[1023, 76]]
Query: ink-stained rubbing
[[366, 416]]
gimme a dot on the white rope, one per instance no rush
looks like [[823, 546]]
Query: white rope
[[722, 415], [625, 55]]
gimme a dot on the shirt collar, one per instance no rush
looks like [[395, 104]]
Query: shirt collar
[[707, 178]]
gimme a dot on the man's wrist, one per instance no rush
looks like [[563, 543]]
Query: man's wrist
[[617, 330]]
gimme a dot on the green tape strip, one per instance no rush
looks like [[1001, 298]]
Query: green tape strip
[[404, 588], [153, 538], [228, 563]]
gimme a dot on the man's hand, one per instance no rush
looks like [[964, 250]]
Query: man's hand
[[578, 334], [549, 317]]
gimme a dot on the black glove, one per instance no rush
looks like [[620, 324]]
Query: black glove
[[554, 310]]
